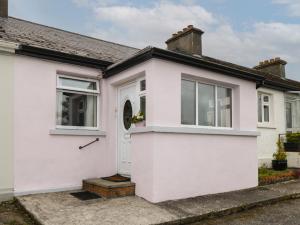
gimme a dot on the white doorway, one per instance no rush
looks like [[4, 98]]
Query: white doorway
[[127, 107]]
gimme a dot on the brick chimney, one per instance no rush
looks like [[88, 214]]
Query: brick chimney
[[189, 41], [274, 66], [3, 8]]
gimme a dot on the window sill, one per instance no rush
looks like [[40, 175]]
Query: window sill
[[77, 132], [262, 126], [190, 130]]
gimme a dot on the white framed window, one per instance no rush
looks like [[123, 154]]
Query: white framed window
[[77, 103], [142, 96], [289, 115], [264, 108], [205, 105]]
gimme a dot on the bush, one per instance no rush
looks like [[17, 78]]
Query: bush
[[280, 154], [293, 137]]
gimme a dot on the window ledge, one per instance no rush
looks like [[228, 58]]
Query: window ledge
[[261, 126], [191, 130], [77, 132]]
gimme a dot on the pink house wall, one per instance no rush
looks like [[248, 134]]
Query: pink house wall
[[45, 162], [176, 164]]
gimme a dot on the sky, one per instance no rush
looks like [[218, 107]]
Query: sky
[[242, 32]]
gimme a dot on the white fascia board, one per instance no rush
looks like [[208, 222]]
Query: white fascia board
[[8, 47]]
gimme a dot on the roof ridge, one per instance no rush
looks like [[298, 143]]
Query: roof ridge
[[71, 32]]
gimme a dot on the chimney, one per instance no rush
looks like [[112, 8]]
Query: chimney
[[189, 41], [274, 66], [3, 8]]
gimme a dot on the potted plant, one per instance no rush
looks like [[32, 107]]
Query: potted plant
[[280, 161], [292, 142], [138, 119]]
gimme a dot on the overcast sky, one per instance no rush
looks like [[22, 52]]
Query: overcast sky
[[243, 32]]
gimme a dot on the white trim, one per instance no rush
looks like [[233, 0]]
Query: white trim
[[81, 91], [79, 75], [215, 86], [194, 130], [77, 132], [8, 47], [270, 104], [50, 190]]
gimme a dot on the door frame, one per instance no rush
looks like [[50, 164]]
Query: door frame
[[119, 88]]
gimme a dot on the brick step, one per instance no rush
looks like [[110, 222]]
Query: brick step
[[109, 189]]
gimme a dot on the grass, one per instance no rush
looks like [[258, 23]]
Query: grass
[[11, 213], [270, 176]]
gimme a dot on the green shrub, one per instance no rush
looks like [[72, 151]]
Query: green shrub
[[293, 137], [280, 154]]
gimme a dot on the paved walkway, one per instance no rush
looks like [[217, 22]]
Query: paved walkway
[[281, 213], [61, 208]]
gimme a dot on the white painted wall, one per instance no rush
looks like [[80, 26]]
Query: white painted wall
[[269, 134], [6, 126]]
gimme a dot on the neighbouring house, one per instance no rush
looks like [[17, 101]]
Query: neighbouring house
[[62, 90], [278, 110]]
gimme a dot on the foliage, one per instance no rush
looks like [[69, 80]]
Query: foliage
[[293, 137], [280, 154], [269, 176], [139, 117]]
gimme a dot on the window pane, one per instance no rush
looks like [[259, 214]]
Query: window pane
[[260, 108], [143, 105], [266, 113], [73, 83], [143, 85], [289, 115], [75, 109], [206, 105], [224, 107], [188, 102], [266, 98]]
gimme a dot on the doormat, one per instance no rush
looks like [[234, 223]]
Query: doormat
[[85, 195], [117, 178]]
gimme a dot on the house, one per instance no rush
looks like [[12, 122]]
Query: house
[[278, 110], [69, 100]]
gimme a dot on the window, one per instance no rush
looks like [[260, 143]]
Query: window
[[205, 104], [77, 102], [264, 108], [289, 115], [143, 97]]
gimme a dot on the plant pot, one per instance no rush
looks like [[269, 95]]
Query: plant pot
[[140, 124], [279, 164], [292, 147]]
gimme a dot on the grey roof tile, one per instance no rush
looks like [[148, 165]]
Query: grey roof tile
[[24, 32]]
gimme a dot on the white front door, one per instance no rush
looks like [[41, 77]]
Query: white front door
[[127, 106]]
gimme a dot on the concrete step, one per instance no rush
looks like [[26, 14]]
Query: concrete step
[[109, 189]]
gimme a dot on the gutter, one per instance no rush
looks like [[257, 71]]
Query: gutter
[[183, 59], [61, 57]]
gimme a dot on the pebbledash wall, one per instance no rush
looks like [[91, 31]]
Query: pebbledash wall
[[269, 132], [45, 160], [171, 161]]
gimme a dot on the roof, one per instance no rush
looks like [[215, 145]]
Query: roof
[[262, 78], [56, 44], [36, 35]]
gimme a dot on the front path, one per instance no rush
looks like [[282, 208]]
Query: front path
[[62, 208]]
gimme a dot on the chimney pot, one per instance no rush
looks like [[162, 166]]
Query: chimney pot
[[190, 26], [3, 8]]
